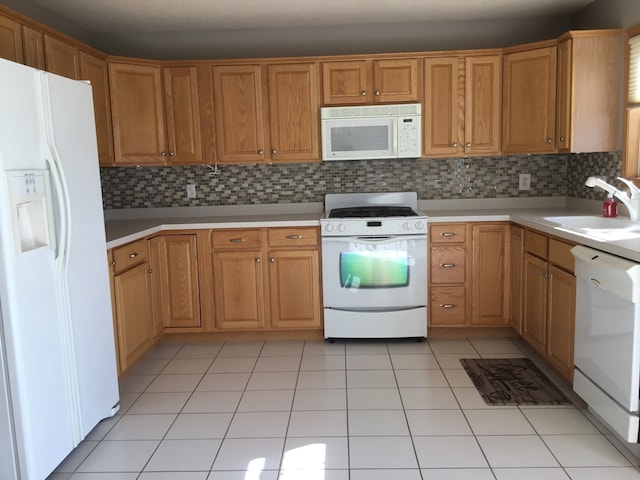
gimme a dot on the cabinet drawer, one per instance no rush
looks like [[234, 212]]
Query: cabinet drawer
[[236, 239], [536, 243], [448, 264], [560, 254], [448, 233], [129, 255], [447, 306], [292, 237]]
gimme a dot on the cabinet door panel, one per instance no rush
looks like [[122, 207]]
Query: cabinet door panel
[[345, 83], [534, 312], [183, 118], [396, 80], [295, 289], [561, 321], [138, 119], [529, 100], [95, 70], [447, 306], [482, 104], [444, 105], [61, 58], [33, 42], [490, 275], [239, 113], [447, 264], [293, 112], [238, 287], [10, 40], [517, 254]]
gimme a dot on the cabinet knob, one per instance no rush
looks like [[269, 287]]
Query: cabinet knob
[[274, 151], [562, 139], [133, 255], [549, 140], [272, 260], [448, 305], [172, 154], [517, 237], [164, 154], [454, 145], [547, 276], [447, 265], [363, 93], [468, 145], [258, 260], [377, 93], [261, 152], [150, 270], [113, 264]]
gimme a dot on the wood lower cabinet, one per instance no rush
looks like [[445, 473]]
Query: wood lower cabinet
[[371, 81], [175, 282], [266, 279], [462, 105], [10, 40], [490, 274], [516, 248], [132, 302], [529, 100], [549, 290]]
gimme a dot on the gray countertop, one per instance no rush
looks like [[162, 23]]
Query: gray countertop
[[124, 227]]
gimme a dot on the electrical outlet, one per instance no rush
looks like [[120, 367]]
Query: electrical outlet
[[191, 190], [525, 181]]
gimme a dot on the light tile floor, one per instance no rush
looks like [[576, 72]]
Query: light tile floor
[[398, 410]]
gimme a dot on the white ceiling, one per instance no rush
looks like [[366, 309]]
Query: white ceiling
[[124, 16]]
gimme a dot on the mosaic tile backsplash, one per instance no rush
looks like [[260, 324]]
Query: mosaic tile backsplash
[[450, 178]]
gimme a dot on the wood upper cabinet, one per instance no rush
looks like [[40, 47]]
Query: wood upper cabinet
[[175, 284], [462, 105], [33, 43], [143, 130], [182, 114], [529, 101], [10, 40], [294, 104], [589, 66], [490, 274], [371, 81], [137, 109], [95, 70], [61, 58], [267, 113]]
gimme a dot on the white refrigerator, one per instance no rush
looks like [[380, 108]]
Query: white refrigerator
[[58, 375]]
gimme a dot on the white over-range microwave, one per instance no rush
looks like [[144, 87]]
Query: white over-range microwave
[[372, 132]]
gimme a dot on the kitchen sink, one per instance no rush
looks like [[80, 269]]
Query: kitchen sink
[[599, 228]]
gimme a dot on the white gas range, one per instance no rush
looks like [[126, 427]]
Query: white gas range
[[374, 260]]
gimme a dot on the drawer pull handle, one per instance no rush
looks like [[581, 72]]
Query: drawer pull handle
[[133, 255], [447, 234], [294, 237], [448, 265], [237, 240], [448, 305]]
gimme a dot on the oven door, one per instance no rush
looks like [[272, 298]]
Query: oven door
[[374, 273]]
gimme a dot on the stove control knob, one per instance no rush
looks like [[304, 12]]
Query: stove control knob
[[406, 226], [341, 227], [328, 227], [419, 226]]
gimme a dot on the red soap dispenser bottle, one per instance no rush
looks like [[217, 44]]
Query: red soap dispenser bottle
[[610, 207]]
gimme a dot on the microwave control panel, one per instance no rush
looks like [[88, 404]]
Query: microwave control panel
[[409, 137]]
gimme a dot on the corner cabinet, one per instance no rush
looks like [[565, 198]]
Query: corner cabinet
[[529, 100], [360, 82], [144, 132], [462, 105], [267, 113], [265, 279]]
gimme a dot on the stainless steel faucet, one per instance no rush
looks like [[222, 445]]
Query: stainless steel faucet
[[630, 199]]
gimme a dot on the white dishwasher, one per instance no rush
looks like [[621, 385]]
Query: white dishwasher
[[607, 338]]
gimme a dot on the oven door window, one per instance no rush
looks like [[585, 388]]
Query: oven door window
[[374, 269]]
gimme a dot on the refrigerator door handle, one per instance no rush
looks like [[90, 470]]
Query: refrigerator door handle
[[61, 203]]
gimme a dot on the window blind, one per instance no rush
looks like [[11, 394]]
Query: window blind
[[634, 71]]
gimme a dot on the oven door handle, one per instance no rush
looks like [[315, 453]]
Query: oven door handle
[[374, 239]]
